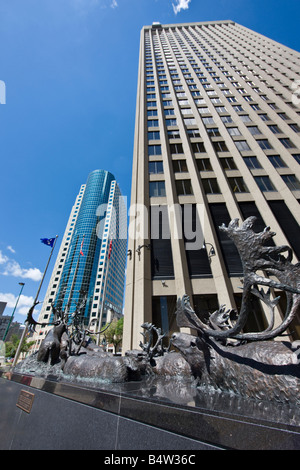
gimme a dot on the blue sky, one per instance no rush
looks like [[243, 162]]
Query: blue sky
[[70, 71]]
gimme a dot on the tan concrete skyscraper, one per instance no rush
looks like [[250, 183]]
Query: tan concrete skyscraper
[[216, 138]]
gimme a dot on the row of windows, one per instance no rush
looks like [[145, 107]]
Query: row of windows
[[233, 131], [228, 163], [210, 185], [219, 146]]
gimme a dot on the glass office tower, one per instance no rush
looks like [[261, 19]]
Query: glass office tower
[[217, 133], [92, 256]]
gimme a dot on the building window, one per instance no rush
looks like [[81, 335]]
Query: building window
[[203, 110], [252, 163], [220, 146], [245, 118], [156, 167], [276, 161], [283, 116], [190, 121], [237, 185], [161, 250], [153, 123], [169, 112], [221, 109], [193, 132], [204, 164], [275, 129], [176, 148], [264, 144], [292, 182], [242, 145], [287, 143], [228, 163], [208, 120], [198, 147], [264, 117], [184, 187], [249, 209], [288, 224], [233, 131], [213, 132], [264, 183], [196, 254], [211, 186], [226, 119], [151, 104], [163, 317], [254, 130], [204, 305], [157, 189], [186, 111], [171, 122], [179, 166], [295, 127], [154, 150], [152, 112], [220, 215], [174, 134], [153, 135], [238, 108], [297, 157]]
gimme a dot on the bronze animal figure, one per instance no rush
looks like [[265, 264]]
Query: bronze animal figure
[[222, 355]]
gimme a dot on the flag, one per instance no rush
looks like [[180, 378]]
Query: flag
[[110, 247], [48, 241], [81, 252]]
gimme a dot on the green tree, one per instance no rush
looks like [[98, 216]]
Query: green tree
[[114, 333], [11, 346]]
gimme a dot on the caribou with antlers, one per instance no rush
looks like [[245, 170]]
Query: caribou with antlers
[[225, 357]]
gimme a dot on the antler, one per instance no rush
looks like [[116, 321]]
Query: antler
[[255, 256], [157, 349]]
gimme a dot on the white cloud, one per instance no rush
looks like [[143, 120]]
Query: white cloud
[[12, 268], [24, 304], [86, 6], [3, 258], [181, 5], [10, 248]]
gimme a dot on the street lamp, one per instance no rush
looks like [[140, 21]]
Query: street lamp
[[211, 252], [22, 284]]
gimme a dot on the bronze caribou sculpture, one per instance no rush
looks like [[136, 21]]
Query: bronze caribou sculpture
[[250, 364], [219, 354]]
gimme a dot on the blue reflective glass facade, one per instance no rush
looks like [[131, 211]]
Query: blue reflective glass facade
[[80, 271]]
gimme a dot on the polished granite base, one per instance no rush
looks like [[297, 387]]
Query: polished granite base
[[153, 414]]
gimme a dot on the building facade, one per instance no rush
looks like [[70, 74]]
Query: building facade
[[216, 138], [92, 256]]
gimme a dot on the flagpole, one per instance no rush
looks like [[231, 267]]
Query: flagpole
[[12, 315], [35, 301]]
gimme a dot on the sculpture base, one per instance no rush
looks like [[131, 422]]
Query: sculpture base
[[154, 414]]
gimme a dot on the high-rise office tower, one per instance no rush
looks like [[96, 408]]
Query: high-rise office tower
[[92, 256], [216, 138]]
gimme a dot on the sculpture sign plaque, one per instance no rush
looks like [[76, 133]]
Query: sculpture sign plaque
[[25, 401]]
